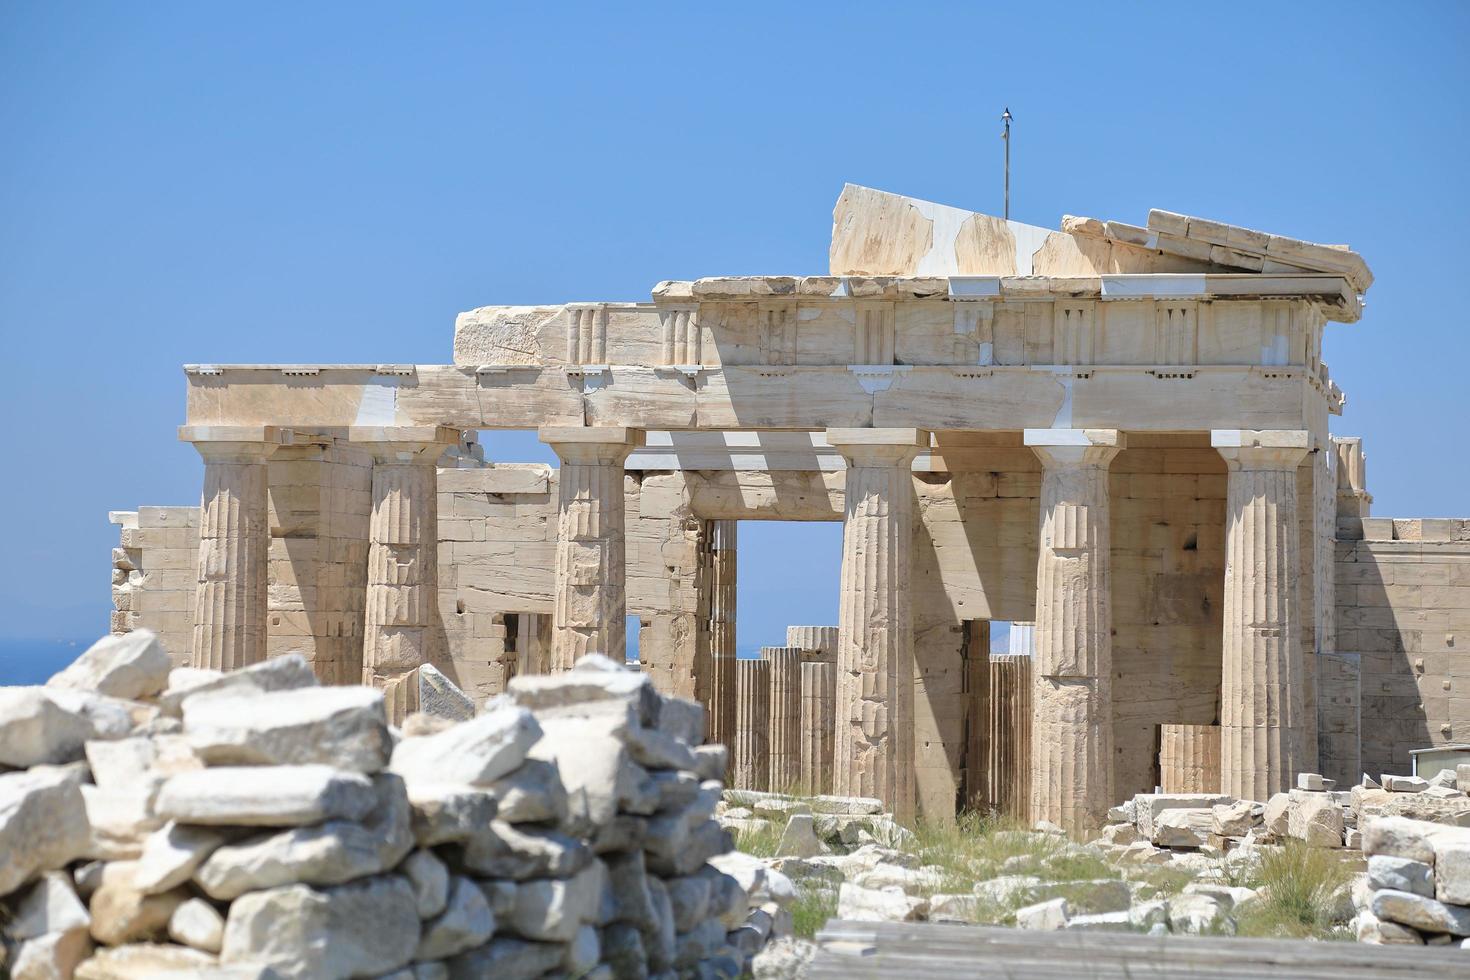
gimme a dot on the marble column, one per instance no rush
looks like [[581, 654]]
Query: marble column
[[399, 628], [591, 569], [818, 698], [873, 750], [785, 739], [1072, 701], [721, 581], [751, 753], [232, 594], [1261, 708]]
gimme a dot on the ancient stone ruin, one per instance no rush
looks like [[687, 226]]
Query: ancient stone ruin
[[1117, 433]]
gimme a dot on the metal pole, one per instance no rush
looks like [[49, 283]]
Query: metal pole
[[1006, 117]]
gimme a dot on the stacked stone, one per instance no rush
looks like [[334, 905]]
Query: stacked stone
[[192, 820], [1417, 890]]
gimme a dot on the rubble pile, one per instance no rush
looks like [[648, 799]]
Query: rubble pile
[[255, 824]]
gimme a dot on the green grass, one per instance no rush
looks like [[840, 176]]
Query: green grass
[[760, 841], [811, 910], [1297, 885]]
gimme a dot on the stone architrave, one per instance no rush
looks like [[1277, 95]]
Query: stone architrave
[[1262, 717], [591, 571], [1072, 703], [874, 751], [785, 728], [752, 724], [232, 595], [403, 558], [722, 571]]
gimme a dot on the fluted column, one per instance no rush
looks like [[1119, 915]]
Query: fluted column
[[722, 631], [1072, 700], [874, 750], [752, 724], [785, 741], [1261, 708], [232, 594], [591, 568], [399, 624]]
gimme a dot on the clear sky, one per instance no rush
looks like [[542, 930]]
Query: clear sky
[[184, 182]]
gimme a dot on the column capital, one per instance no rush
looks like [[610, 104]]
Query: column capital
[[1075, 447], [591, 443], [1261, 449], [403, 444], [878, 447], [235, 443]]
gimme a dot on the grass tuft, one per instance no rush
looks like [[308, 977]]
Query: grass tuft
[[811, 910], [1298, 888]]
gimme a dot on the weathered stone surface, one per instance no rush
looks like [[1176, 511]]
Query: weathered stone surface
[[476, 752], [1398, 837], [143, 961], [288, 672], [125, 665], [172, 853], [1401, 874], [799, 839], [123, 914], [440, 696], [534, 793], [49, 905], [430, 880], [465, 923], [197, 924], [446, 812], [1181, 827], [43, 824], [37, 729], [501, 850], [1404, 784], [343, 727], [889, 904], [507, 957], [1452, 871], [1371, 929], [329, 853], [1196, 913], [1424, 914], [358, 929], [1317, 820], [553, 910], [1277, 815], [1049, 915], [270, 796], [50, 956], [1236, 819]]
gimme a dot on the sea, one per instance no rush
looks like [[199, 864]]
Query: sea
[[33, 661]]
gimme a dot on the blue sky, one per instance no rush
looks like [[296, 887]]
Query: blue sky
[[333, 182]]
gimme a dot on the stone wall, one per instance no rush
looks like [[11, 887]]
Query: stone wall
[[154, 574], [1403, 624]]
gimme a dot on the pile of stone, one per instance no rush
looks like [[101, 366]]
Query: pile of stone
[[254, 824], [1163, 828]]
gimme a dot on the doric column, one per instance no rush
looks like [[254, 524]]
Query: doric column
[[818, 697], [231, 601], [1072, 700], [873, 753], [752, 724], [1261, 708], [403, 559], [785, 741], [591, 570], [1022, 640], [722, 556]]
